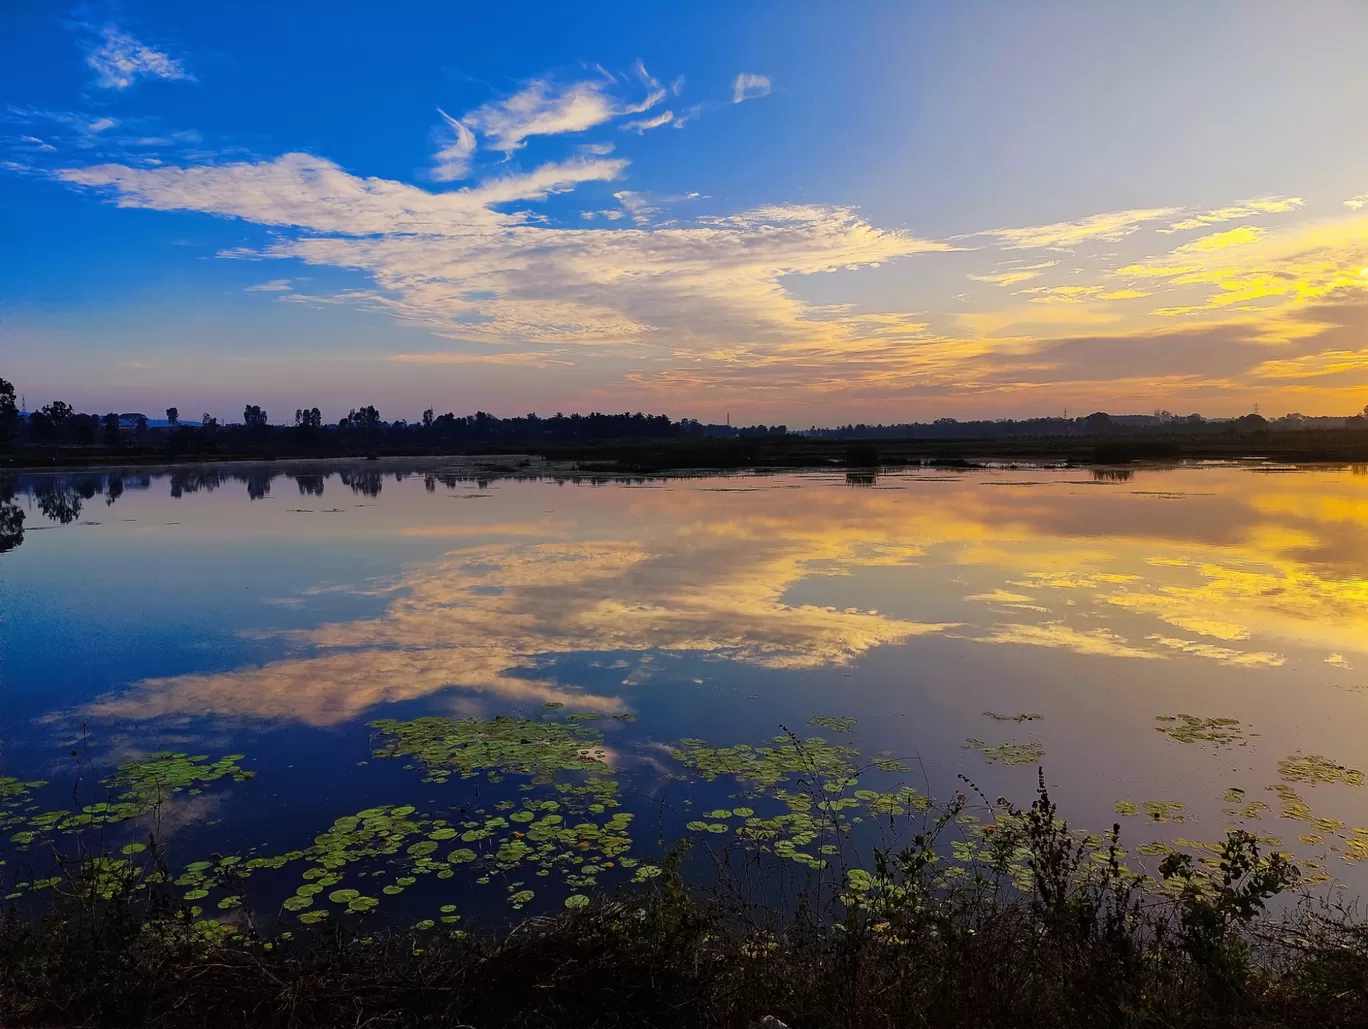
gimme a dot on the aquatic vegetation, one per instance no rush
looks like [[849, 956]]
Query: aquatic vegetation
[[546, 752], [1006, 753], [556, 819], [1163, 810], [843, 723], [1314, 769], [1027, 717], [1192, 729], [787, 760], [136, 788]]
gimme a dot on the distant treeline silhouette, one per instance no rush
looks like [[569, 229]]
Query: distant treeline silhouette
[[1099, 423], [60, 423]]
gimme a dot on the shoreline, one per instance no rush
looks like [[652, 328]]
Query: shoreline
[[779, 453]]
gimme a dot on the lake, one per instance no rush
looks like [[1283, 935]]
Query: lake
[[439, 692]]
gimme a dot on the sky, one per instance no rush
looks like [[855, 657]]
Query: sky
[[809, 213]]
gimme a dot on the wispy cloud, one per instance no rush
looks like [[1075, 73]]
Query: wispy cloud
[[544, 108], [454, 157], [1012, 275], [119, 60], [274, 286], [1311, 366], [1107, 227], [1234, 212], [1356, 202], [641, 125], [750, 87]]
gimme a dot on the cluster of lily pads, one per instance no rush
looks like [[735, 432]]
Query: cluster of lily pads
[[554, 823], [1351, 844], [810, 789]]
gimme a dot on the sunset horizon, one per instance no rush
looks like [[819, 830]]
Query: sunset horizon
[[913, 214]]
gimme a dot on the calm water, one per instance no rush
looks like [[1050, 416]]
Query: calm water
[[275, 613]]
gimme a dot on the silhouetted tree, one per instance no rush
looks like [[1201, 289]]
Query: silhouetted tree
[[427, 418], [253, 417], [172, 416], [59, 413], [111, 428], [207, 421], [9, 410], [366, 419], [308, 418]]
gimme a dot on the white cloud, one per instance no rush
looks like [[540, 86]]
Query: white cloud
[[274, 286], [1356, 202], [749, 87], [641, 125], [541, 109], [460, 264], [311, 192], [637, 205], [453, 159], [119, 60], [101, 124]]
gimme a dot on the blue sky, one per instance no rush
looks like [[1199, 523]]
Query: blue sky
[[802, 212]]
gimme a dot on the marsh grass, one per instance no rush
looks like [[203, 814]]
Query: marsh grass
[[1040, 929]]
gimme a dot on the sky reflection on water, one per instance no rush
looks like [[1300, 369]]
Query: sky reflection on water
[[193, 609]]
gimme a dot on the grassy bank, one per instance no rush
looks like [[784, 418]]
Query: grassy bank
[[1039, 930]]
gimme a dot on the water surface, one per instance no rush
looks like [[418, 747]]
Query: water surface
[[279, 612]]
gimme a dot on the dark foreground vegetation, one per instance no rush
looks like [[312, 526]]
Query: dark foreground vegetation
[[1041, 931]]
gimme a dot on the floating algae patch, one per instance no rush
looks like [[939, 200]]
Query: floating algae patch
[[785, 760], [1164, 810], [136, 788], [16, 800], [1192, 729], [1293, 806], [1029, 716], [815, 785], [546, 752], [843, 723], [1315, 769], [1006, 753]]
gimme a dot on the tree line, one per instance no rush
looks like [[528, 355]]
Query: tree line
[[59, 423]]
